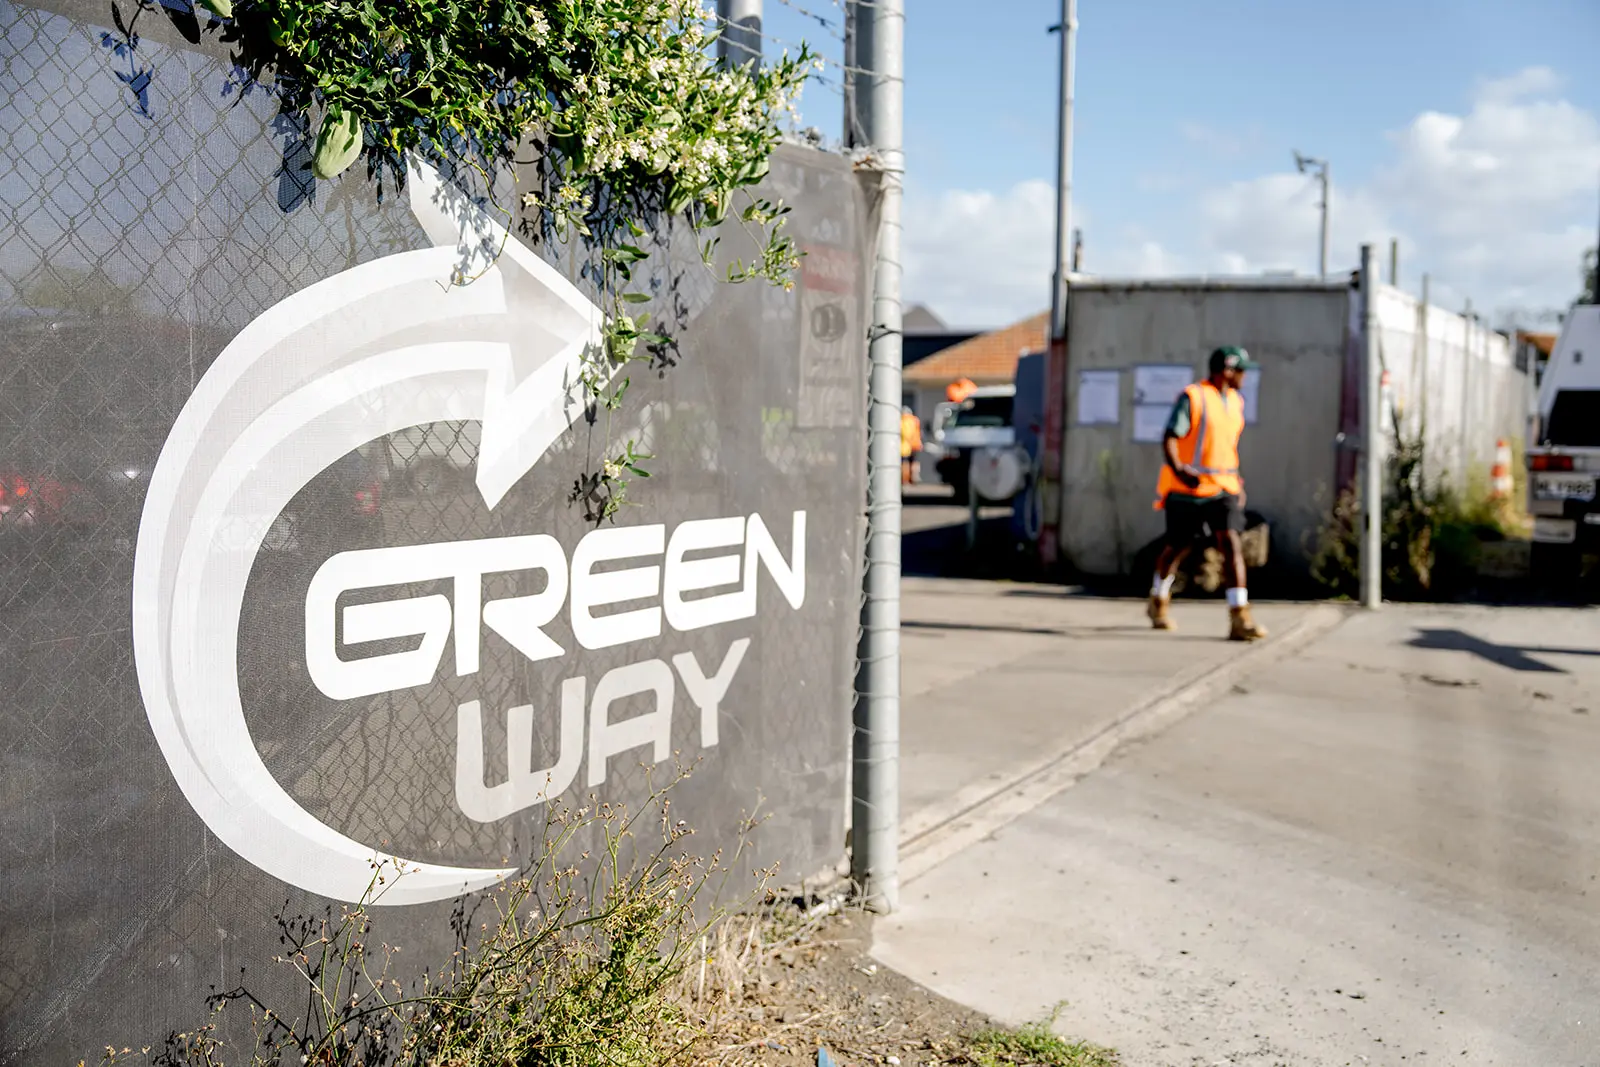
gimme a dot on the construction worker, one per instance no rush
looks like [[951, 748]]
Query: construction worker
[[1200, 488], [910, 445]]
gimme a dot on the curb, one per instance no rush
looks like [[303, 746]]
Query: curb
[[937, 833]]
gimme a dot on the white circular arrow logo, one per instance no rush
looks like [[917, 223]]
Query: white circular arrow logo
[[374, 350]]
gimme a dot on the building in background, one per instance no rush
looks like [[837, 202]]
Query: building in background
[[984, 359], [1133, 345], [925, 334]]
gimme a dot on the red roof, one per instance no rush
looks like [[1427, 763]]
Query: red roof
[[988, 359]]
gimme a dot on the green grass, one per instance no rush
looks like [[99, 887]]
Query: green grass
[[1035, 1045]]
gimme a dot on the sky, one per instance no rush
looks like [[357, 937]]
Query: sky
[[1468, 130]]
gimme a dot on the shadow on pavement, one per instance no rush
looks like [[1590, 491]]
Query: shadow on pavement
[[1510, 657]]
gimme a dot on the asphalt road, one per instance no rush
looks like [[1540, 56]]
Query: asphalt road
[[1382, 849]]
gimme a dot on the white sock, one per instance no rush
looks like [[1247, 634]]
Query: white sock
[[1162, 587], [1238, 597]]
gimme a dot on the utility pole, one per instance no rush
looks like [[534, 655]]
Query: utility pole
[[1303, 164], [1063, 248], [1394, 262], [875, 803], [1055, 378], [740, 22], [1372, 440]]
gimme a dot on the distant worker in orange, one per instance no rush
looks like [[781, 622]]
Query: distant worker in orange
[[1201, 490], [910, 445], [959, 390]]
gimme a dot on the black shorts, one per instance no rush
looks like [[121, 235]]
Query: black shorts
[[1201, 518]]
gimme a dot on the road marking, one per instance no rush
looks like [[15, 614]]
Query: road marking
[[944, 830]]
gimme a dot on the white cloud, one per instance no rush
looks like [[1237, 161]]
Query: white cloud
[[980, 258], [1496, 203]]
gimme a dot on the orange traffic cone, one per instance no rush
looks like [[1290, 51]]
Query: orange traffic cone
[[1500, 474]]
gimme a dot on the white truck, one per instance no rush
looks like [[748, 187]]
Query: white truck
[[982, 420], [1564, 464]]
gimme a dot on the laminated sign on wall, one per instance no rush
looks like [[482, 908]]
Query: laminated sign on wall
[[310, 579]]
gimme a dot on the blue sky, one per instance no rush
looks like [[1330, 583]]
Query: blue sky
[[1442, 121]]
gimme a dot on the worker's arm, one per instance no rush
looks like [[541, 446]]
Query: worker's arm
[[1178, 427]]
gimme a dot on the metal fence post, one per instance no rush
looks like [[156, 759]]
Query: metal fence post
[[875, 808]]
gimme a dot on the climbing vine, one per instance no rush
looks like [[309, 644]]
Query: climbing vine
[[631, 124]]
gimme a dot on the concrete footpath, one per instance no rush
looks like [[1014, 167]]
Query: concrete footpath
[[1370, 839], [1004, 683]]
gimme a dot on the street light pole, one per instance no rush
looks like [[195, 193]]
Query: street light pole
[[1303, 164]]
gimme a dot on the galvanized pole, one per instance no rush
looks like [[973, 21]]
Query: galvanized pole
[[875, 808], [1372, 440], [858, 44], [1322, 255], [1063, 248], [740, 21], [1394, 262], [1055, 377]]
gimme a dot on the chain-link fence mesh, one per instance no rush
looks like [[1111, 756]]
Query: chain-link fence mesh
[[154, 206]]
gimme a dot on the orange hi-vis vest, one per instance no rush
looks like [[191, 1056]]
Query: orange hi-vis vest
[[1211, 446]]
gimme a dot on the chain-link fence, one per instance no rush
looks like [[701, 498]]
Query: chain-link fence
[[157, 209]]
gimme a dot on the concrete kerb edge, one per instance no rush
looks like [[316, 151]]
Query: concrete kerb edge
[[943, 830]]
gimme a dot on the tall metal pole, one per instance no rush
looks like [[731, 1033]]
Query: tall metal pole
[[1063, 248], [1322, 254], [858, 44], [1394, 261], [1055, 378], [1372, 440], [740, 42], [875, 807]]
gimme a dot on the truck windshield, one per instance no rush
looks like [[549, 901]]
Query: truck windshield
[[984, 411], [1575, 419]]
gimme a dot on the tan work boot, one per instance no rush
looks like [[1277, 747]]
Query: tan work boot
[[1242, 627], [1160, 616]]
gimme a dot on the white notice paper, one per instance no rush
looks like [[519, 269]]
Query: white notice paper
[[1150, 422], [1250, 389], [1099, 397], [1161, 383]]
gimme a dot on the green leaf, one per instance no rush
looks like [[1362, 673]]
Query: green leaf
[[636, 298], [223, 9], [679, 199], [338, 144]]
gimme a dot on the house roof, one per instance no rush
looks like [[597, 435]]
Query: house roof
[[988, 358], [919, 318], [1544, 342]]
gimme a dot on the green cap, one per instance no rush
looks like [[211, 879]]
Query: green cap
[[1231, 357]]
